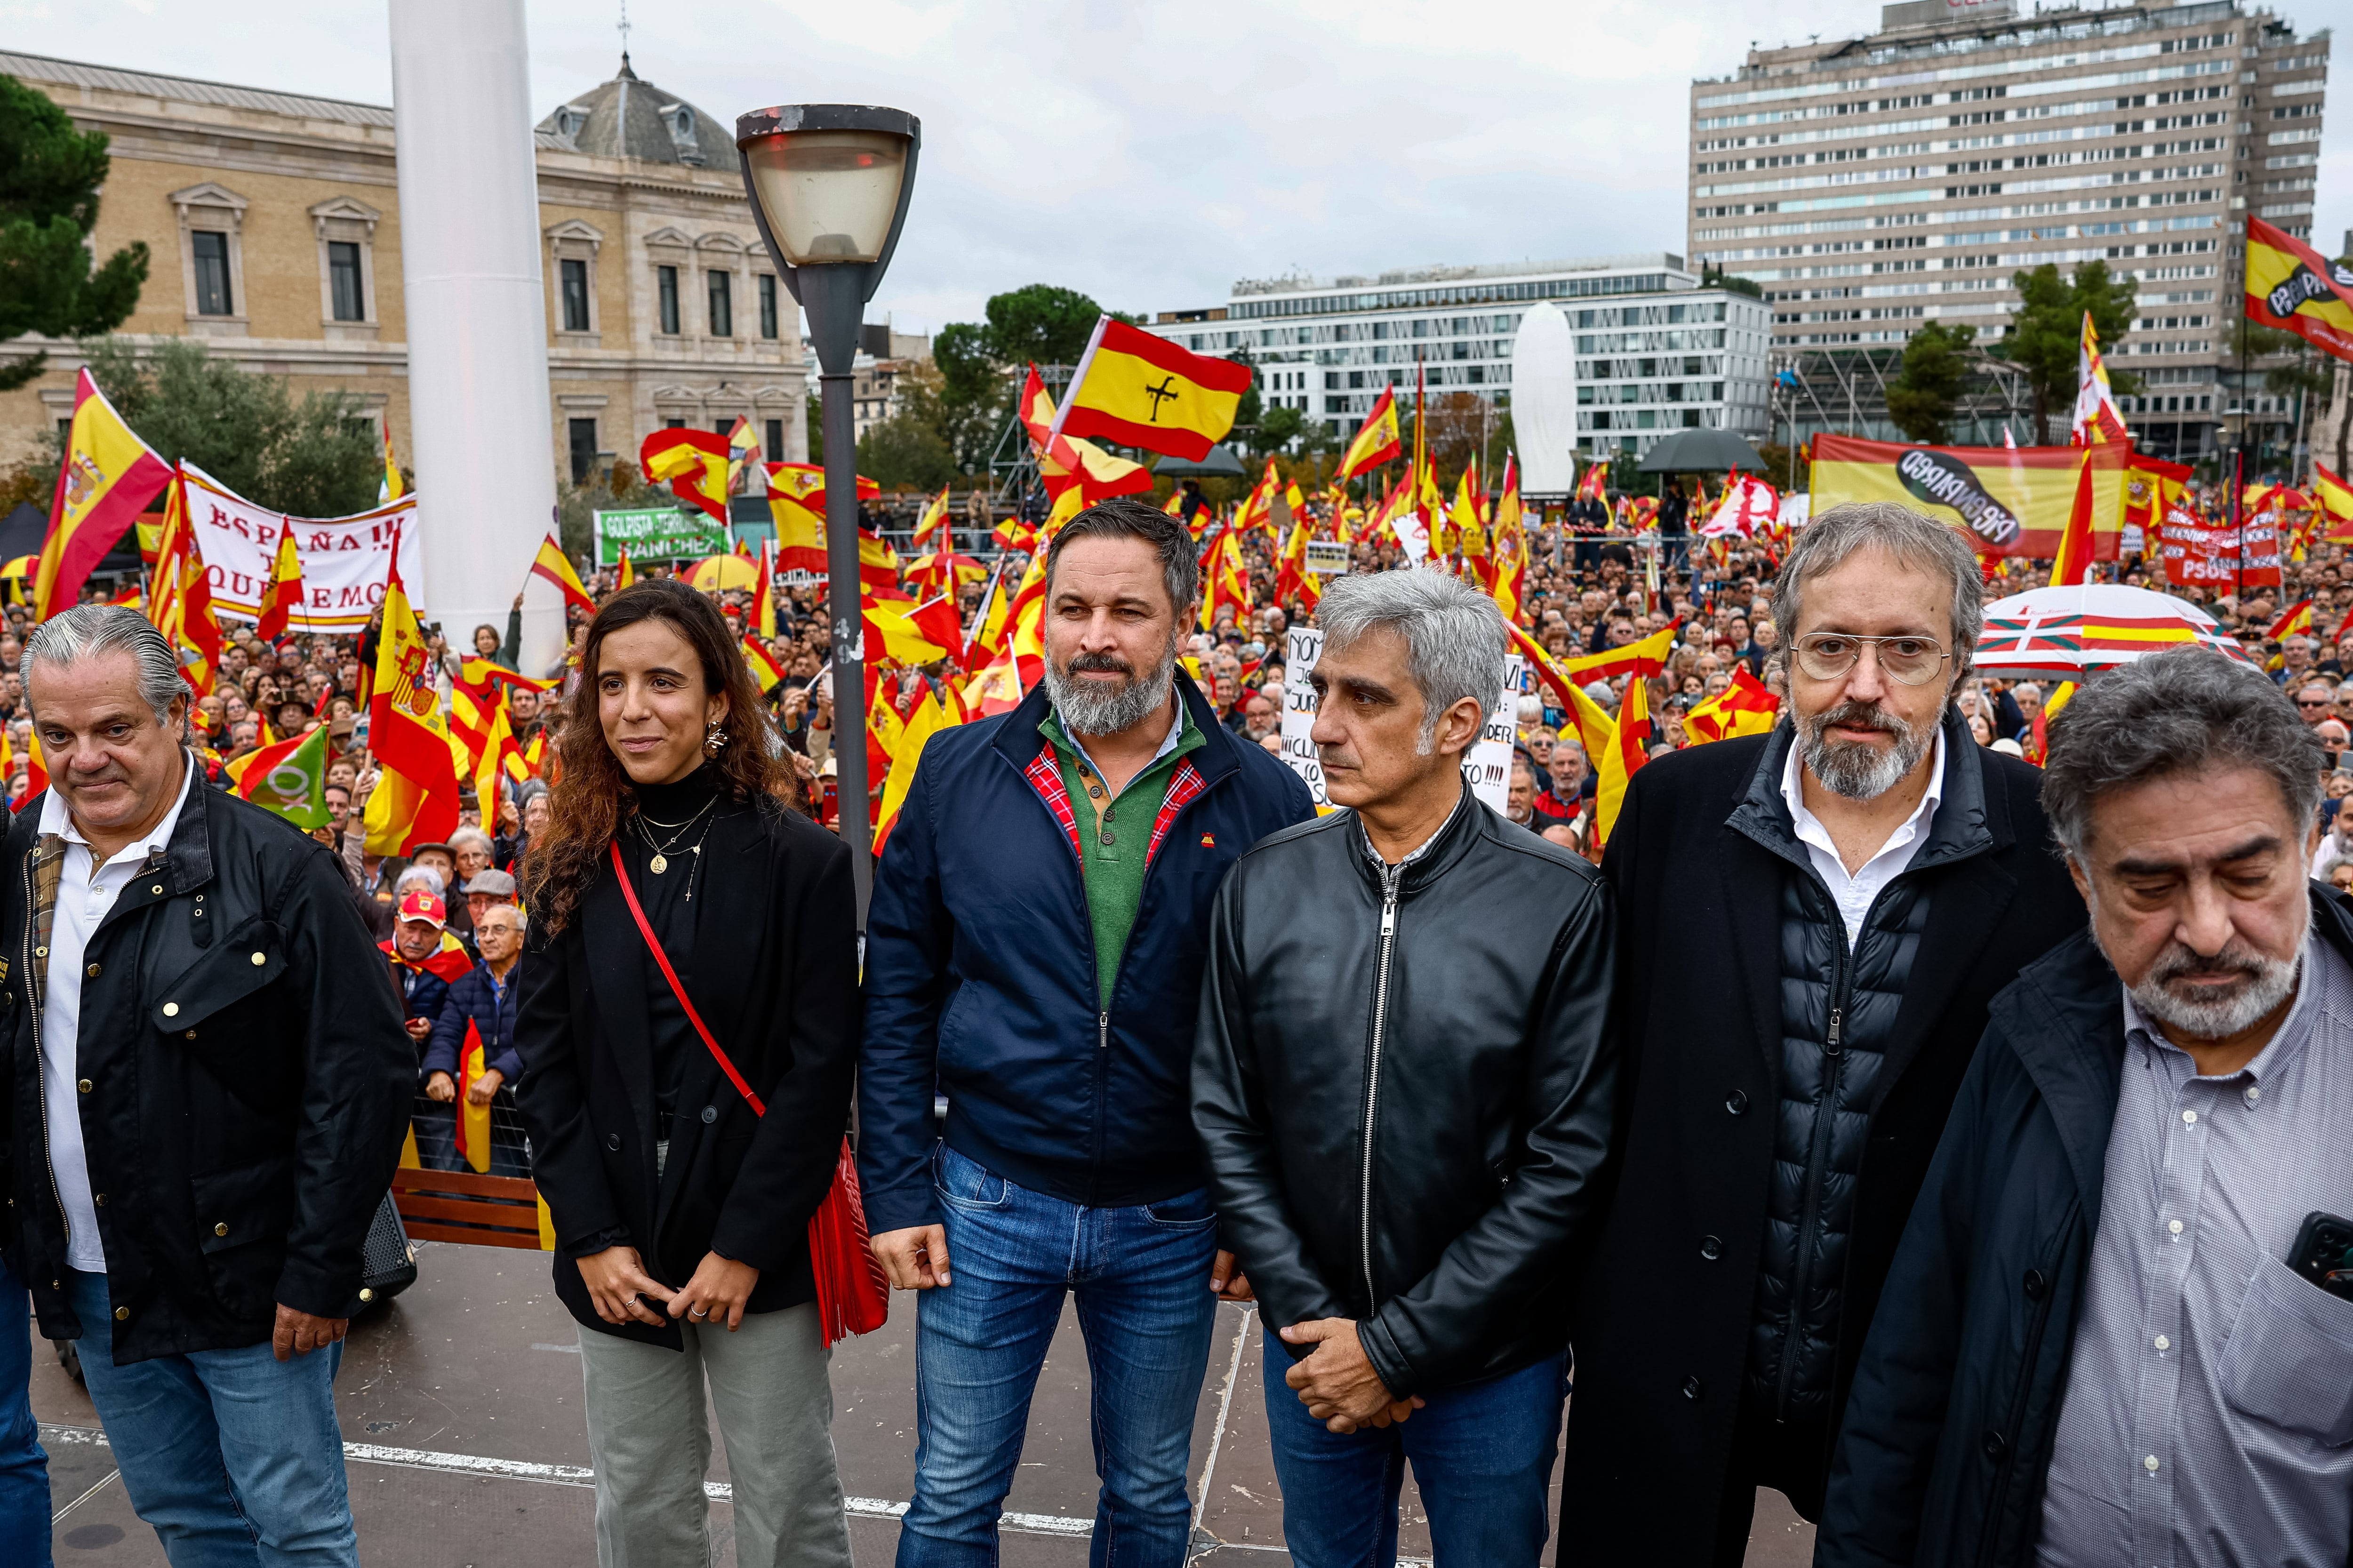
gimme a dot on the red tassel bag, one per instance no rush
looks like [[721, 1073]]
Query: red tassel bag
[[853, 1294]]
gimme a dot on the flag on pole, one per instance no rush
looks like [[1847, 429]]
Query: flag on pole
[[930, 717], [2073, 558], [2097, 419], [1375, 441], [105, 481], [1744, 708], [391, 489], [933, 531], [764, 592], [181, 607], [1137, 390], [2292, 287], [552, 563], [625, 574], [283, 592], [767, 673], [416, 797]]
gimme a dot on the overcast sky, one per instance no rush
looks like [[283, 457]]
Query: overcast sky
[[1146, 153]]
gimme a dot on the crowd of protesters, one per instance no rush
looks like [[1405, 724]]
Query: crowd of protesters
[[1468, 1111]]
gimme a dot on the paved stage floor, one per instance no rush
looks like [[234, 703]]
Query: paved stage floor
[[460, 1405]]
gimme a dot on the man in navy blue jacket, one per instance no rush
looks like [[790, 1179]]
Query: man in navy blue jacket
[[484, 996], [1034, 954]]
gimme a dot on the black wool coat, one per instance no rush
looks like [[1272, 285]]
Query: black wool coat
[[1661, 1328], [774, 975]]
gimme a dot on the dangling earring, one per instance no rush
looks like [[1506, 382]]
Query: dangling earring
[[715, 738]]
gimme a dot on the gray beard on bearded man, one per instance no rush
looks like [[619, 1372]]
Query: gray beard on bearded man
[[1853, 768], [1090, 707]]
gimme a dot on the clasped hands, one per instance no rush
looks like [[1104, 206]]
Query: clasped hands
[[618, 1287], [1337, 1380]]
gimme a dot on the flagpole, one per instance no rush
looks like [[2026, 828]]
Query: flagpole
[[1078, 379]]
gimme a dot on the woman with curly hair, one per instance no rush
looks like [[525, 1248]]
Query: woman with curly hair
[[680, 1211]]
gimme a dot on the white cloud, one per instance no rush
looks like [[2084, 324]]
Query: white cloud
[[1147, 154]]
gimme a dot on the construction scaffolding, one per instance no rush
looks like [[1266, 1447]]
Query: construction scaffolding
[[1843, 390]]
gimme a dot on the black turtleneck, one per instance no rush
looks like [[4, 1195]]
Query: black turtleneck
[[670, 912]]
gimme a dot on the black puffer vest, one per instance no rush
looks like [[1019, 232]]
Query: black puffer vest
[[1838, 1009]]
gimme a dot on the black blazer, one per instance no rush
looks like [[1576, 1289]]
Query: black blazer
[[1661, 1328], [776, 980]]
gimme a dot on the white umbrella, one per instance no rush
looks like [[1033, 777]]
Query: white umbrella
[[2066, 633]]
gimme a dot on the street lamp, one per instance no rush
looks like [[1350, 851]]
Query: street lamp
[[829, 184]]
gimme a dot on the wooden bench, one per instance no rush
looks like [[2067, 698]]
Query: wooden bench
[[461, 1206]]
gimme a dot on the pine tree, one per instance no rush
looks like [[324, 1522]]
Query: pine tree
[[50, 179]]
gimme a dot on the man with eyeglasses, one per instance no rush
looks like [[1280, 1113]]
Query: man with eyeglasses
[[1860, 881]]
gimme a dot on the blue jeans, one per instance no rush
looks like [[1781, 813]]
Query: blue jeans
[[233, 1458], [24, 1467], [1481, 1456], [1142, 1279]]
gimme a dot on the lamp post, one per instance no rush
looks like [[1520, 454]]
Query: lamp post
[[828, 185]]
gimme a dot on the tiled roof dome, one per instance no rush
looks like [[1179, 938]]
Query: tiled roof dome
[[630, 118]]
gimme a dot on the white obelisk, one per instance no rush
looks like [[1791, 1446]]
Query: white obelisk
[[477, 390]]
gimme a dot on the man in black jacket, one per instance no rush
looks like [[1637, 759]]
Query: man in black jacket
[[205, 1109], [1814, 921], [2097, 1345], [1403, 1094]]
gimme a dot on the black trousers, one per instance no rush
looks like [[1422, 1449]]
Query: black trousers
[[1790, 1456]]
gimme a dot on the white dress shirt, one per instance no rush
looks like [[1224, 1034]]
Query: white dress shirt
[[84, 895], [1855, 894]]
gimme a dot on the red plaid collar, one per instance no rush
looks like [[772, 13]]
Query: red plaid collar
[[1045, 775]]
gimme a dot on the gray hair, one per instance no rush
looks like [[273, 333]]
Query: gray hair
[[1915, 542], [424, 876], [522, 919], [1455, 634], [473, 836], [93, 631], [2180, 711], [1124, 516]]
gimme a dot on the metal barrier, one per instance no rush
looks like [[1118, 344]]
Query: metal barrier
[[442, 1196]]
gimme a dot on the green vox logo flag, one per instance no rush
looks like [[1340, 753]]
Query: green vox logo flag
[[294, 784]]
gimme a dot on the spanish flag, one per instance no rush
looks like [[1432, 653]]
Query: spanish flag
[[930, 716], [1744, 708], [2296, 621], [181, 607], [2097, 419], [764, 593], [627, 575], [552, 563], [912, 633], [767, 673], [1647, 657], [391, 489], [1375, 441], [694, 464], [1622, 758], [283, 594], [415, 799], [2335, 498], [931, 530], [106, 480], [473, 1120], [2293, 287], [1138, 390]]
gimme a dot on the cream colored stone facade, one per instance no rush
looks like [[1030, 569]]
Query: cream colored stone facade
[[290, 188]]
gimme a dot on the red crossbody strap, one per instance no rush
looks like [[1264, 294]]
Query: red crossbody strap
[[638, 914]]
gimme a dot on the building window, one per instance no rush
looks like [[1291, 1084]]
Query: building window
[[575, 297], [669, 282], [583, 439], [673, 424], [211, 249], [768, 306], [722, 304], [343, 280], [776, 436]]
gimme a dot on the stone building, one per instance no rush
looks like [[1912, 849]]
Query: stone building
[[272, 221]]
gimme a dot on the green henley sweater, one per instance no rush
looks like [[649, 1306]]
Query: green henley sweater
[[1114, 837]]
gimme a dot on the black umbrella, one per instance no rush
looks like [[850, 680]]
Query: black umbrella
[[1703, 452], [1220, 464]]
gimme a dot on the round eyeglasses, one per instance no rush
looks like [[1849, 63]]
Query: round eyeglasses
[[1907, 660]]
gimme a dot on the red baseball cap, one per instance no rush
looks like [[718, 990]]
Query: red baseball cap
[[420, 905]]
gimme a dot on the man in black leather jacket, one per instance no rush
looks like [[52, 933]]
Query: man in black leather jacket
[[1403, 1096]]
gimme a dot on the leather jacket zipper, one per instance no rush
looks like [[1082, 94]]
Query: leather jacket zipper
[[1390, 876], [30, 978]]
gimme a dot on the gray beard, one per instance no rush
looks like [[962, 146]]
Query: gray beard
[[1086, 709], [2268, 982], [1852, 769]]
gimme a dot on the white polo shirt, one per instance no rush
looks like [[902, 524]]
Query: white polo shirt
[[83, 898]]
